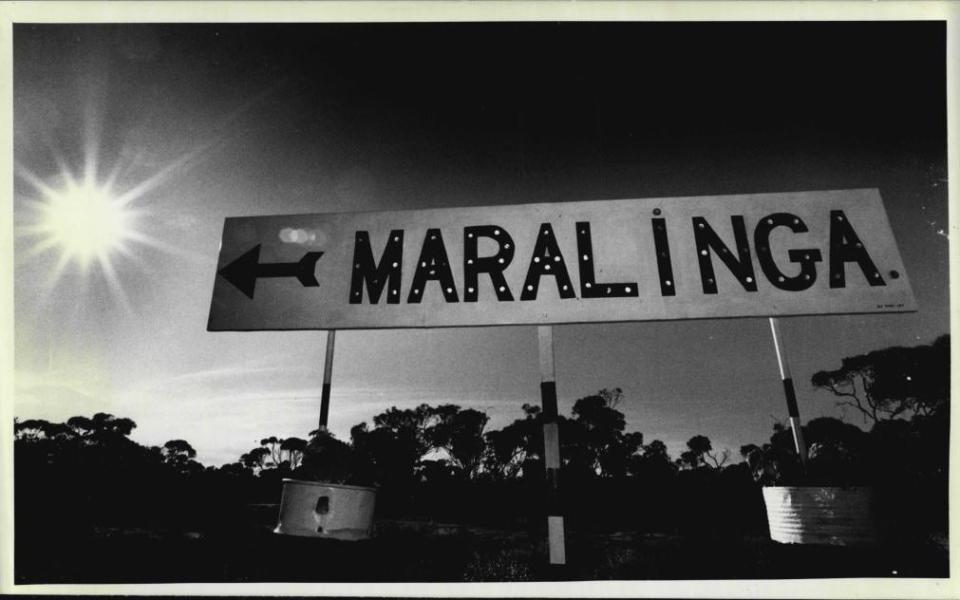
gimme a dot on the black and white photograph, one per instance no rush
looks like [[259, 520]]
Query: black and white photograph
[[492, 300]]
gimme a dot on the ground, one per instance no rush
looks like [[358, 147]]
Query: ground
[[420, 551]]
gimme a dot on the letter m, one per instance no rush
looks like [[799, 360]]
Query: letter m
[[377, 274]]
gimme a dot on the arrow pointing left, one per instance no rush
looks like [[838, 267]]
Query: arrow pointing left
[[244, 271]]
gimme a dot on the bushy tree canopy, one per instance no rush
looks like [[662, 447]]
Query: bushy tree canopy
[[892, 382]]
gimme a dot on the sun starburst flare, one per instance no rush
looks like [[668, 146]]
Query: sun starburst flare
[[85, 221], [95, 222], [88, 221]]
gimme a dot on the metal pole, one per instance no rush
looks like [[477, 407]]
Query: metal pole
[[551, 446], [791, 395], [327, 372]]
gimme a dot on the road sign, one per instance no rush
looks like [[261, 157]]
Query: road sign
[[613, 260]]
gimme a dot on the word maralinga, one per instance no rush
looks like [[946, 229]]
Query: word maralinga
[[647, 259], [384, 275]]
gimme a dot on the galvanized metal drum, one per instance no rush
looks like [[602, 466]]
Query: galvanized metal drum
[[821, 515], [326, 510]]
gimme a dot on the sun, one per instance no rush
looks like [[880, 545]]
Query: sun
[[91, 223], [95, 225], [85, 221]]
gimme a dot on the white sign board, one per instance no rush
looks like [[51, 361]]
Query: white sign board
[[615, 260]]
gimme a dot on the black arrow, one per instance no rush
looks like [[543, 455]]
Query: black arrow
[[244, 271]]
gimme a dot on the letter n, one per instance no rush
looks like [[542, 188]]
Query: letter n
[[708, 241]]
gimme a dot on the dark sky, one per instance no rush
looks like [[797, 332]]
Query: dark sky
[[297, 118]]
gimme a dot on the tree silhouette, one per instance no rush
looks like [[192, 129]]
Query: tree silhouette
[[179, 454], [102, 427], [517, 448], [408, 426], [400, 441], [700, 453], [36, 429], [255, 459], [592, 443], [460, 433], [892, 382], [272, 444], [110, 425], [656, 450], [504, 452], [598, 441], [177, 451], [396, 444], [747, 449], [654, 463], [325, 458], [294, 448]]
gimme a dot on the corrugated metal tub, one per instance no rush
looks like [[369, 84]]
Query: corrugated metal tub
[[840, 516], [326, 510]]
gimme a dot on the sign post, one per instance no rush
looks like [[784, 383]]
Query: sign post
[[327, 374], [551, 446], [789, 393]]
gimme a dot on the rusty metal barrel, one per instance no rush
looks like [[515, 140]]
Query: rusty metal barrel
[[841, 516]]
